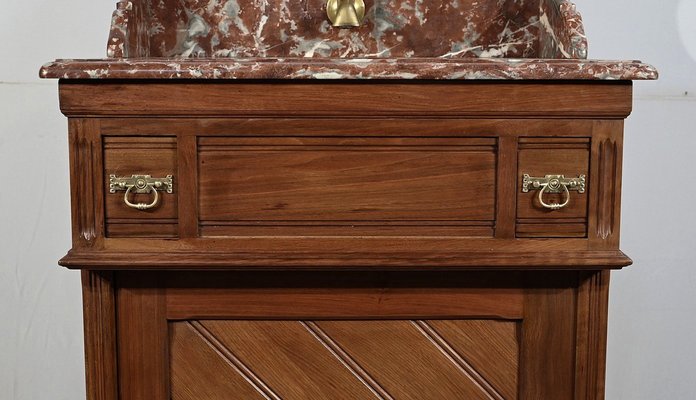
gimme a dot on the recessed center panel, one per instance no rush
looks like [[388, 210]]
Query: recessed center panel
[[346, 186]]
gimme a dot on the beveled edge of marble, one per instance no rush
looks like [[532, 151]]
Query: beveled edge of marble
[[377, 68]]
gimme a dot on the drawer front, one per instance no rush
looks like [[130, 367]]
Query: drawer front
[[350, 186], [346, 186], [540, 157], [128, 156]]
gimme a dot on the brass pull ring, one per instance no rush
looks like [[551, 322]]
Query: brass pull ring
[[553, 184], [554, 206], [140, 206], [141, 184]]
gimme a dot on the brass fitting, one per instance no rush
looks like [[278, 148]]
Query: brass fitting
[[345, 13]]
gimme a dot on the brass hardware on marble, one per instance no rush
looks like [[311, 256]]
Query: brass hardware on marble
[[140, 184], [345, 13], [553, 184]]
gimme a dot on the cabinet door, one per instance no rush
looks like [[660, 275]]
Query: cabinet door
[[416, 335]]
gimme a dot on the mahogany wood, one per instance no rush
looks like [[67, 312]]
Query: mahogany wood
[[350, 126], [126, 156], [540, 158], [199, 369], [591, 341], [547, 355], [215, 295], [491, 99], [375, 247], [489, 347], [329, 182], [143, 344], [100, 335], [607, 150]]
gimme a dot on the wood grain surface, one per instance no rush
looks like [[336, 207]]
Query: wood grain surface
[[353, 182], [348, 360], [369, 240], [471, 99]]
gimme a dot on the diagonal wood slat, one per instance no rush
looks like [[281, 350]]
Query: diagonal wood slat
[[347, 361], [351, 360], [403, 360], [199, 372], [291, 360], [469, 370], [491, 347]]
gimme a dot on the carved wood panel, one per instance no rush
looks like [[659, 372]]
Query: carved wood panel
[[377, 359]]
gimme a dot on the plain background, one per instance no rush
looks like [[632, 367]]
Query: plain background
[[652, 345]]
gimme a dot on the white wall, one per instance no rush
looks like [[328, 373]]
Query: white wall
[[652, 349]]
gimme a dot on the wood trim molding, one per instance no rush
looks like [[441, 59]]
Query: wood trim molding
[[605, 189], [143, 338], [606, 185], [506, 184], [548, 329], [591, 341], [431, 260], [84, 185], [100, 335], [309, 99]]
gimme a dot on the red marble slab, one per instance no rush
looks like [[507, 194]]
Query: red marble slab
[[378, 68], [399, 39], [392, 29]]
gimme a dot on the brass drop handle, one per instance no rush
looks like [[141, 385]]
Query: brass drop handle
[[140, 184], [553, 184]]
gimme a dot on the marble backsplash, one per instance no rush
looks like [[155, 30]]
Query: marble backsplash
[[392, 29]]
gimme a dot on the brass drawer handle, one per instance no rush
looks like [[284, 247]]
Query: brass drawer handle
[[553, 184], [140, 184]]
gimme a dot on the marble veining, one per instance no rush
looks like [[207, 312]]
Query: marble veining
[[377, 68], [392, 29], [399, 39]]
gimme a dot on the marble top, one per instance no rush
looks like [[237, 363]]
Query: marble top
[[399, 39], [391, 29], [379, 68]]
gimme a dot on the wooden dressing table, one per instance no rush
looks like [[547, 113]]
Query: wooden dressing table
[[252, 222]]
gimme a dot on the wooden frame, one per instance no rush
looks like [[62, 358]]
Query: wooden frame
[[553, 286]]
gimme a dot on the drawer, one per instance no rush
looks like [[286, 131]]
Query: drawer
[[128, 156], [331, 186], [298, 186], [537, 215]]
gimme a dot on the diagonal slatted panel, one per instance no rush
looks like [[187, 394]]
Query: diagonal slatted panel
[[352, 360], [403, 360], [198, 372], [489, 347], [290, 359]]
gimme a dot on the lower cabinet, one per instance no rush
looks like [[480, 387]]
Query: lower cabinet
[[346, 335]]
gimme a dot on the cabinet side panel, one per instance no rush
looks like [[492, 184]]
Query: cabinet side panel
[[143, 354], [547, 363], [607, 149], [100, 340], [593, 302], [85, 175]]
